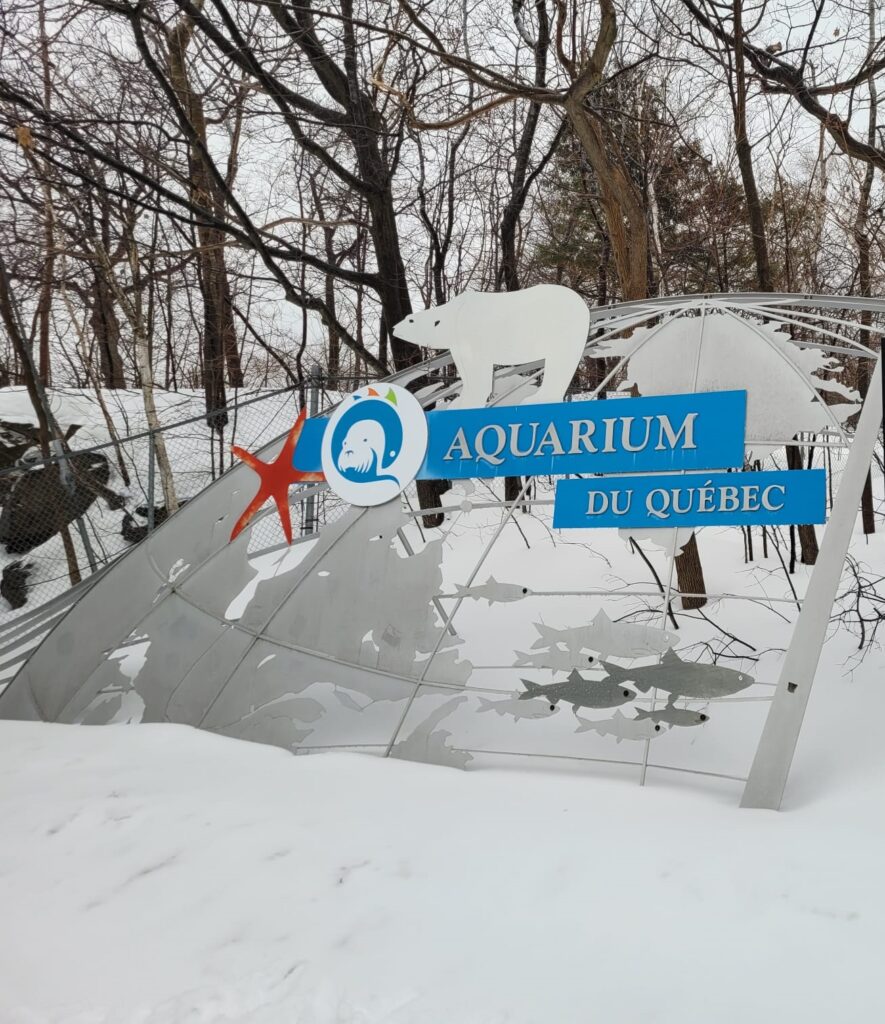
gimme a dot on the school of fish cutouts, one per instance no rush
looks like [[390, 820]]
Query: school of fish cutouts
[[592, 646]]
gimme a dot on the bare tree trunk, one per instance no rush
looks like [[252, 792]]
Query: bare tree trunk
[[145, 371], [862, 240], [808, 546], [220, 349], [625, 218], [91, 376], [864, 366], [333, 348], [745, 155], [333, 360], [508, 272], [690, 575], [44, 303], [106, 330], [621, 200], [232, 361], [807, 535], [48, 429]]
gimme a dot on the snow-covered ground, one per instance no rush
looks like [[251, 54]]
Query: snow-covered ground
[[161, 875], [79, 406], [157, 875]]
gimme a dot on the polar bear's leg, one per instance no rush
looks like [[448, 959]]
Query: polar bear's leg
[[477, 372], [559, 368]]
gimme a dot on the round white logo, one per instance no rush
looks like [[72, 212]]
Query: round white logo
[[374, 444]]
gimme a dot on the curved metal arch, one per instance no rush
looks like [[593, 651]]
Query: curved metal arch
[[632, 313]]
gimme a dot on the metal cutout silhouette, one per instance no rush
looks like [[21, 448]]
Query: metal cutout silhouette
[[276, 479], [354, 641], [483, 330]]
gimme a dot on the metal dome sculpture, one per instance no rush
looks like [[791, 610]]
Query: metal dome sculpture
[[374, 634]]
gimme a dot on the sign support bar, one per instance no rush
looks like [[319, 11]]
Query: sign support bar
[[777, 745]]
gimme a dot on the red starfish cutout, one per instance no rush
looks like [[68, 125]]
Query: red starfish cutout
[[276, 478]]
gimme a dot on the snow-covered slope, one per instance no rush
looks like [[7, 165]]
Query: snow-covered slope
[[158, 874]]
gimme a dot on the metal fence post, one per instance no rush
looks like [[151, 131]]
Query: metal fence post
[[87, 544], [150, 482], [314, 383]]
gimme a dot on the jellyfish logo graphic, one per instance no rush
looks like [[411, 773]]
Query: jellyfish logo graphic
[[374, 444]]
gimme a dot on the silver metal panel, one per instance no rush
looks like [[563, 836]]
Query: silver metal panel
[[98, 622], [424, 736], [386, 621], [721, 351], [206, 678], [287, 697]]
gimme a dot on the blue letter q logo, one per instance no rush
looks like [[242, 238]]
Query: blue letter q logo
[[374, 444]]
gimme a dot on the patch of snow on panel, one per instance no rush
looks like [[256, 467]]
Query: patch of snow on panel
[[132, 657], [276, 563], [177, 569]]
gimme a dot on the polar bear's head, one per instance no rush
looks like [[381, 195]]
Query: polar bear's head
[[430, 328], [362, 450]]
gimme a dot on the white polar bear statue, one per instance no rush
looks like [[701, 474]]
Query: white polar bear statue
[[487, 329]]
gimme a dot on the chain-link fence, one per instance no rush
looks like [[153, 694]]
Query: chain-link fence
[[64, 518]]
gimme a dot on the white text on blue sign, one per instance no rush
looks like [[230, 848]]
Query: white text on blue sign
[[695, 499], [701, 431]]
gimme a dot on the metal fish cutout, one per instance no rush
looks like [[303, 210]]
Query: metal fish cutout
[[609, 639], [672, 716], [555, 659], [516, 707], [579, 692], [622, 728], [681, 678], [494, 591]]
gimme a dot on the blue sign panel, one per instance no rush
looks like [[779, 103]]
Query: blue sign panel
[[624, 435], [696, 499]]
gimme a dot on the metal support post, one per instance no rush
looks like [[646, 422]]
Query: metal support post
[[774, 755], [314, 383], [150, 482]]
